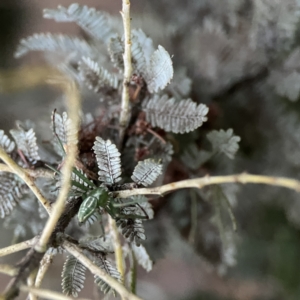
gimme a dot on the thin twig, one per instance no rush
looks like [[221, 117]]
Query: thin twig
[[117, 248], [47, 294], [73, 103], [17, 247], [117, 286], [26, 178], [8, 270], [210, 180], [124, 115], [30, 283], [36, 173], [44, 266]]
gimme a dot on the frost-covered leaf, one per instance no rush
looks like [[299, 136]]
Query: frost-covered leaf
[[106, 265], [99, 243], [5, 143], [73, 276], [10, 193], [108, 159], [96, 77], [142, 257], [160, 70], [175, 116], [224, 141], [78, 182], [95, 23], [146, 172], [56, 43], [145, 42], [26, 142], [64, 129]]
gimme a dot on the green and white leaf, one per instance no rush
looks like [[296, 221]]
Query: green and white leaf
[[146, 172], [5, 143], [224, 141], [175, 116], [108, 159], [95, 77], [73, 276], [94, 22], [26, 142]]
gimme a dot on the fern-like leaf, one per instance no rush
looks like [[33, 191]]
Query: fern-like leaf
[[96, 77], [224, 141], [160, 70], [116, 50], [64, 129], [146, 172], [95, 23], [26, 142], [142, 257], [5, 143], [56, 43], [106, 265], [73, 276], [175, 116], [108, 159], [10, 193]]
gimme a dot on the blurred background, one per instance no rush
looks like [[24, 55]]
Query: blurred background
[[243, 59]]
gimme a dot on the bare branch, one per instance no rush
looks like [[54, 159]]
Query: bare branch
[[124, 115], [17, 247], [118, 248], [210, 180], [26, 178], [37, 173], [77, 252], [44, 266], [47, 294], [8, 270], [73, 101]]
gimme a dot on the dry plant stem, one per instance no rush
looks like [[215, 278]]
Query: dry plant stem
[[210, 180], [117, 286], [26, 178], [8, 270], [17, 247], [46, 294], [73, 101], [30, 283], [117, 248], [37, 173], [124, 115], [44, 266]]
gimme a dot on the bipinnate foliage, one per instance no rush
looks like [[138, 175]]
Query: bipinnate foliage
[[108, 159], [146, 172], [175, 116], [224, 141], [73, 276], [6, 143], [157, 109]]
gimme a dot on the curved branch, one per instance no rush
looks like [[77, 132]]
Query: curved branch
[[73, 101], [199, 183]]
